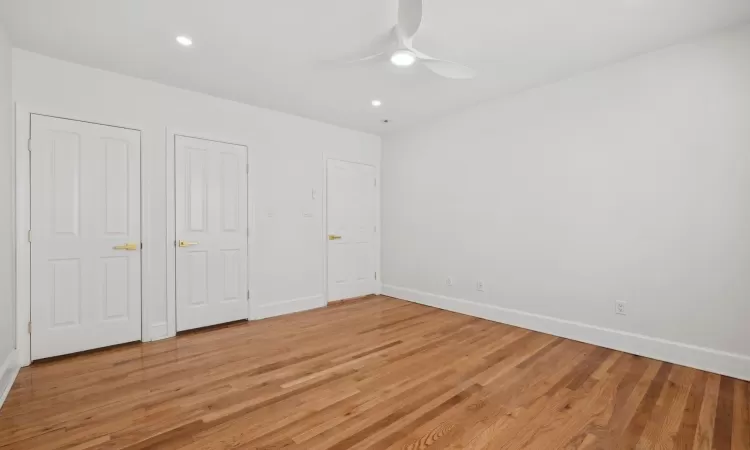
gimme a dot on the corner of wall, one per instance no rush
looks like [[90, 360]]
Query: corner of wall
[[7, 205]]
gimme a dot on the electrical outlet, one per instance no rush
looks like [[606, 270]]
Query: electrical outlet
[[621, 308], [449, 281], [480, 286]]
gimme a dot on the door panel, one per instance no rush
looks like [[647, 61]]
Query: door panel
[[198, 273], [116, 188], [64, 168], [231, 269], [230, 195], [211, 221], [115, 289], [85, 201], [66, 292], [351, 229]]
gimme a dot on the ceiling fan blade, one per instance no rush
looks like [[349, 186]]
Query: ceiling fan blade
[[409, 18], [448, 69], [378, 47], [355, 60]]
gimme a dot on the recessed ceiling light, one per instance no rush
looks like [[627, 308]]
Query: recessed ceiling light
[[403, 58], [184, 40], [376, 103]]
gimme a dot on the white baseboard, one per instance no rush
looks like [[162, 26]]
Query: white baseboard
[[286, 307], [717, 361], [8, 372]]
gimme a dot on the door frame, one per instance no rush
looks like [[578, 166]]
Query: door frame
[[376, 240], [21, 214], [171, 135]]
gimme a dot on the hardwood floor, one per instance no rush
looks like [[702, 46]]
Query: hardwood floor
[[375, 373]]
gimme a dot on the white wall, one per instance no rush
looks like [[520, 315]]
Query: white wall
[[286, 263], [7, 327], [629, 183]]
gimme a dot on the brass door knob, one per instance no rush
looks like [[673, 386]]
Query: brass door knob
[[129, 246]]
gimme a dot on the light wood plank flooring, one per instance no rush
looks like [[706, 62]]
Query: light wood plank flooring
[[374, 373]]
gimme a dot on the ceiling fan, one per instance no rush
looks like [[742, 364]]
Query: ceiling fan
[[397, 45]]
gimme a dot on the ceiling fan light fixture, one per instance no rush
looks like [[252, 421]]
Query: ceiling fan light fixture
[[403, 58], [184, 41]]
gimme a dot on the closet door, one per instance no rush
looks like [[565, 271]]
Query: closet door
[[351, 229], [212, 232], [85, 236]]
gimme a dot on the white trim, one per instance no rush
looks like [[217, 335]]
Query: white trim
[[717, 361], [8, 373], [170, 136], [324, 220], [171, 312], [22, 196], [23, 249], [376, 241], [378, 268], [14, 250], [288, 307]]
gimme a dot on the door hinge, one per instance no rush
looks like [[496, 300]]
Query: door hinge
[[29, 327], [375, 182], [141, 245], [247, 168], [29, 236], [248, 232], [248, 294], [29, 146], [376, 275]]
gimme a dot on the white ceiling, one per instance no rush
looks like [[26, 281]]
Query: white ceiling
[[273, 53]]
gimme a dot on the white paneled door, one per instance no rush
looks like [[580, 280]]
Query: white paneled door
[[212, 232], [85, 236], [351, 204]]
